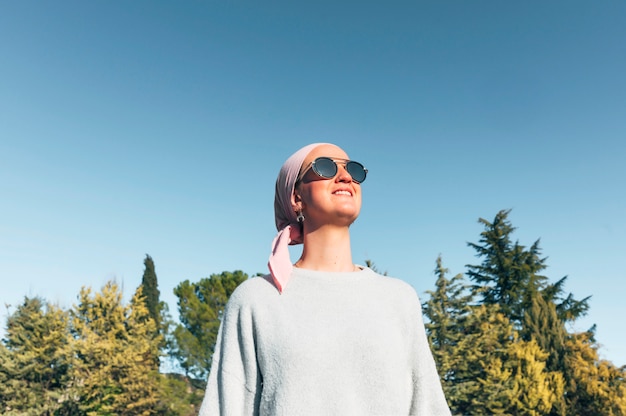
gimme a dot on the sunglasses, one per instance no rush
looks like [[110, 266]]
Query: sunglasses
[[326, 167]]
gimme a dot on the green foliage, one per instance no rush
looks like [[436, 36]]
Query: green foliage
[[543, 325], [446, 311], [369, 263], [501, 344], [200, 307], [115, 346], [99, 358], [512, 354], [35, 361], [593, 386], [518, 383], [486, 334], [150, 290], [508, 274], [182, 395], [489, 370]]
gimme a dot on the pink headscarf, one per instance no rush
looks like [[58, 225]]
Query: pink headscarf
[[289, 232]]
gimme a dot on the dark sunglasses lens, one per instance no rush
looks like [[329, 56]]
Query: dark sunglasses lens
[[356, 170], [325, 167]]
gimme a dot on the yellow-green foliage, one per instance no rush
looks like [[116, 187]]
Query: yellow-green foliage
[[99, 358], [35, 361], [102, 356], [116, 370], [491, 371], [596, 386], [510, 352], [519, 383]]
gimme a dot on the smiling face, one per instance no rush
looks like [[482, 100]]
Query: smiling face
[[327, 201]]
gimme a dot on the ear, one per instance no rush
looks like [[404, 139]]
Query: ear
[[296, 202]]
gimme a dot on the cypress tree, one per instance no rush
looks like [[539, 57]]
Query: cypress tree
[[542, 324], [151, 292]]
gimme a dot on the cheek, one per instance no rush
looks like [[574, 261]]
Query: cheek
[[306, 194]]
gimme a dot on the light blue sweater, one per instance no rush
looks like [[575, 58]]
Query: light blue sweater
[[330, 344]]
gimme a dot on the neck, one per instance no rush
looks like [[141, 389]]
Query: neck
[[327, 249]]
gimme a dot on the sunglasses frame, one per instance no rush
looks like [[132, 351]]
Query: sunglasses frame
[[344, 162]]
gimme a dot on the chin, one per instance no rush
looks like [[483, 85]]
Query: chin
[[351, 218]]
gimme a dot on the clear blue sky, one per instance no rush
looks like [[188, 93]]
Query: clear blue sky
[[134, 127]]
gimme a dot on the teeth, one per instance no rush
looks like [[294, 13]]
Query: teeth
[[343, 193]]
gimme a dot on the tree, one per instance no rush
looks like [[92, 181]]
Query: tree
[[115, 345], [509, 274], [541, 389], [182, 395], [486, 335], [508, 271], [369, 263], [594, 387], [200, 307], [36, 361], [542, 324], [150, 291], [518, 383], [568, 309], [446, 311], [509, 277], [491, 371]]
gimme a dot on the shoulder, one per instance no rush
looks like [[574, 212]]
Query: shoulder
[[252, 291], [390, 282], [396, 288]]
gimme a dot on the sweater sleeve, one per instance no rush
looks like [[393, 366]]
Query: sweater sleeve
[[428, 397], [234, 384]]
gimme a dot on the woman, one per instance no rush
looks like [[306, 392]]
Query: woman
[[322, 336]]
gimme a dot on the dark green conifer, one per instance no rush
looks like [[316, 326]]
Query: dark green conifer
[[510, 274], [151, 292]]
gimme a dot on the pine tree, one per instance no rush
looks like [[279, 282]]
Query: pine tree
[[510, 274], [200, 307], [512, 354], [568, 309], [115, 346], [36, 361], [446, 311]]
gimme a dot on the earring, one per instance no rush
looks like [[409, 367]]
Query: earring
[[300, 217]]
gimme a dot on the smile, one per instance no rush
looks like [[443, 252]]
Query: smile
[[343, 193]]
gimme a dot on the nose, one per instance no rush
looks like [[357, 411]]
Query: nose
[[342, 173]]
